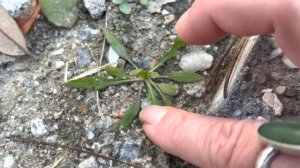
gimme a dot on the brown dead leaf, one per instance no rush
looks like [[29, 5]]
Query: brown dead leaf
[[12, 41], [28, 16]]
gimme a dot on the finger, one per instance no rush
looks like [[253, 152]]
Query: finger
[[208, 21], [201, 140]]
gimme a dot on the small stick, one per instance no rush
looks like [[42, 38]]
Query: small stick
[[57, 162], [70, 148], [232, 65]]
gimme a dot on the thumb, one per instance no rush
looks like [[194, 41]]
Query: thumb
[[202, 140]]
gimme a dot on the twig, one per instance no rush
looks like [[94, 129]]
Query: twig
[[25, 50], [232, 64], [69, 148], [57, 162]]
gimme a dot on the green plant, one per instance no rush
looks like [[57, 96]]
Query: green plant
[[125, 7], [121, 25], [158, 92]]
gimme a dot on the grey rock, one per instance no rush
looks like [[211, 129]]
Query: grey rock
[[195, 89], [89, 134], [37, 127], [85, 34], [96, 8], [108, 138], [90, 162], [6, 59], [130, 150], [84, 58], [96, 147]]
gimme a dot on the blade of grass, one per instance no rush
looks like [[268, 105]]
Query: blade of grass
[[116, 72], [178, 44], [117, 45]]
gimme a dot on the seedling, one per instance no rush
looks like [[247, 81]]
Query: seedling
[[157, 92], [125, 7]]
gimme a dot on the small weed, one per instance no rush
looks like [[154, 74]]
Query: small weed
[[121, 25], [157, 92], [125, 7]]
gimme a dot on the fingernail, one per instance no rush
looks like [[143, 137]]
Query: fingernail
[[153, 114]]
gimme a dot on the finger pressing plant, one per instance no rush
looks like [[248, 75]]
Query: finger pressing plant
[[157, 92], [125, 7]]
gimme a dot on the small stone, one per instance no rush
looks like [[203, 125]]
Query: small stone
[[96, 147], [288, 62], [260, 78], [196, 61], [272, 100], [275, 53], [85, 34], [165, 12], [237, 113], [9, 161], [89, 134], [276, 75], [112, 56], [130, 150], [59, 64], [90, 162], [280, 90], [96, 8], [156, 5], [169, 19], [195, 89], [15, 7], [57, 52], [84, 58], [38, 128]]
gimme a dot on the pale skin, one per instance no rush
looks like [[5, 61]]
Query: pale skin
[[216, 142]]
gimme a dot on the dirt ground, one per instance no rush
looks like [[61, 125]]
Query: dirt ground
[[33, 92]]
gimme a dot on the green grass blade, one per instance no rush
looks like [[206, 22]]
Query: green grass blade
[[117, 45], [178, 44], [182, 76], [152, 94], [85, 83], [116, 72], [167, 89]]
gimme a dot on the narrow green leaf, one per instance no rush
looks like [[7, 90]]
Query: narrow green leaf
[[153, 74], [85, 83], [130, 114], [118, 2], [167, 89], [165, 99], [178, 44], [144, 2], [286, 133], [135, 72], [152, 94], [116, 72], [182, 76], [125, 8], [117, 45]]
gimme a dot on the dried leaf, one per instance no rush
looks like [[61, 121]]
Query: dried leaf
[[60, 12], [28, 16], [12, 41], [130, 114], [181, 76]]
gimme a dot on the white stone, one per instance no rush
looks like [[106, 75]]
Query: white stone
[[288, 62], [57, 52], [96, 8], [155, 6], [165, 12], [280, 90], [169, 19], [96, 147], [90, 134], [112, 56], [38, 128], [59, 64], [196, 61], [272, 100], [15, 7], [90, 162], [9, 161]]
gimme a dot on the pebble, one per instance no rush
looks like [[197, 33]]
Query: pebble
[[165, 12], [96, 8], [59, 64], [15, 7], [196, 61], [9, 161], [276, 75], [169, 19], [57, 52], [280, 90], [84, 58], [195, 89], [37, 127], [237, 113], [272, 100], [85, 34], [90, 162], [155, 6], [96, 147], [288, 62], [112, 56], [130, 150], [89, 134]]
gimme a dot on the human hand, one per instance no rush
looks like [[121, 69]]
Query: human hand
[[216, 142]]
